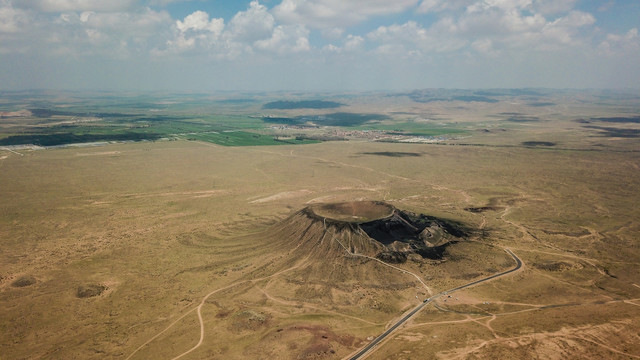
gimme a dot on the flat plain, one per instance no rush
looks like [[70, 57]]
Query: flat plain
[[183, 244]]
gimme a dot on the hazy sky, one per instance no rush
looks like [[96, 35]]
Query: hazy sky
[[209, 45]]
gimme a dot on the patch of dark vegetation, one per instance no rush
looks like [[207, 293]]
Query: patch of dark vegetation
[[159, 118], [393, 154], [196, 269], [90, 290], [392, 257], [345, 119], [70, 138], [582, 232], [473, 275], [236, 101], [197, 240], [491, 130], [298, 139], [481, 209], [507, 92], [509, 113], [473, 98], [24, 281], [538, 143], [554, 266], [555, 306], [281, 120], [619, 119], [222, 314], [523, 118], [615, 132], [541, 103], [46, 113], [321, 341], [427, 96], [303, 104], [249, 320], [320, 138]]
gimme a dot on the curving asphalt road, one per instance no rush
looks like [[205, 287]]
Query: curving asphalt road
[[382, 336]]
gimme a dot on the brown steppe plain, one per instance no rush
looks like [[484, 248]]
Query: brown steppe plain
[[115, 251]]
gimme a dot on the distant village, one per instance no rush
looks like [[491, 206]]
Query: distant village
[[371, 135]]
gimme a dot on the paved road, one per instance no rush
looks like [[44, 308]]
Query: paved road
[[382, 336]]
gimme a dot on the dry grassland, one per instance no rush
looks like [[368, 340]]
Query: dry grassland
[[109, 252]]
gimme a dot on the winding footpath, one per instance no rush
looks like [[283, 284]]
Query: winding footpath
[[367, 349]]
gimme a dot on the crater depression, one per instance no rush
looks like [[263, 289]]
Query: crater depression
[[393, 234]]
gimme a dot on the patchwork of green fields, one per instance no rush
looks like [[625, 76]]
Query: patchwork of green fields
[[244, 138], [73, 119]]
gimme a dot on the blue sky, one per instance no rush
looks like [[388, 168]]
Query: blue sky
[[344, 45]]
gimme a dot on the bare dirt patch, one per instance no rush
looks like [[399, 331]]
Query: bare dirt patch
[[281, 196]]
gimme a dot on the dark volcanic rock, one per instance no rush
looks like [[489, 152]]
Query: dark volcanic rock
[[372, 228], [404, 232]]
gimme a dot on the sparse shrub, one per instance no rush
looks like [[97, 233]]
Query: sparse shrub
[[91, 290], [23, 281]]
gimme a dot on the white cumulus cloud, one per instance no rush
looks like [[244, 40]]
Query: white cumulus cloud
[[337, 13], [78, 5], [254, 24], [350, 44], [353, 42], [621, 45], [12, 20], [195, 31], [443, 5], [412, 39], [199, 21], [565, 30], [114, 34], [286, 39]]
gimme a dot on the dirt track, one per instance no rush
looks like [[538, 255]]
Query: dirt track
[[367, 349]]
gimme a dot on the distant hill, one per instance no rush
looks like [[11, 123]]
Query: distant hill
[[303, 104]]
